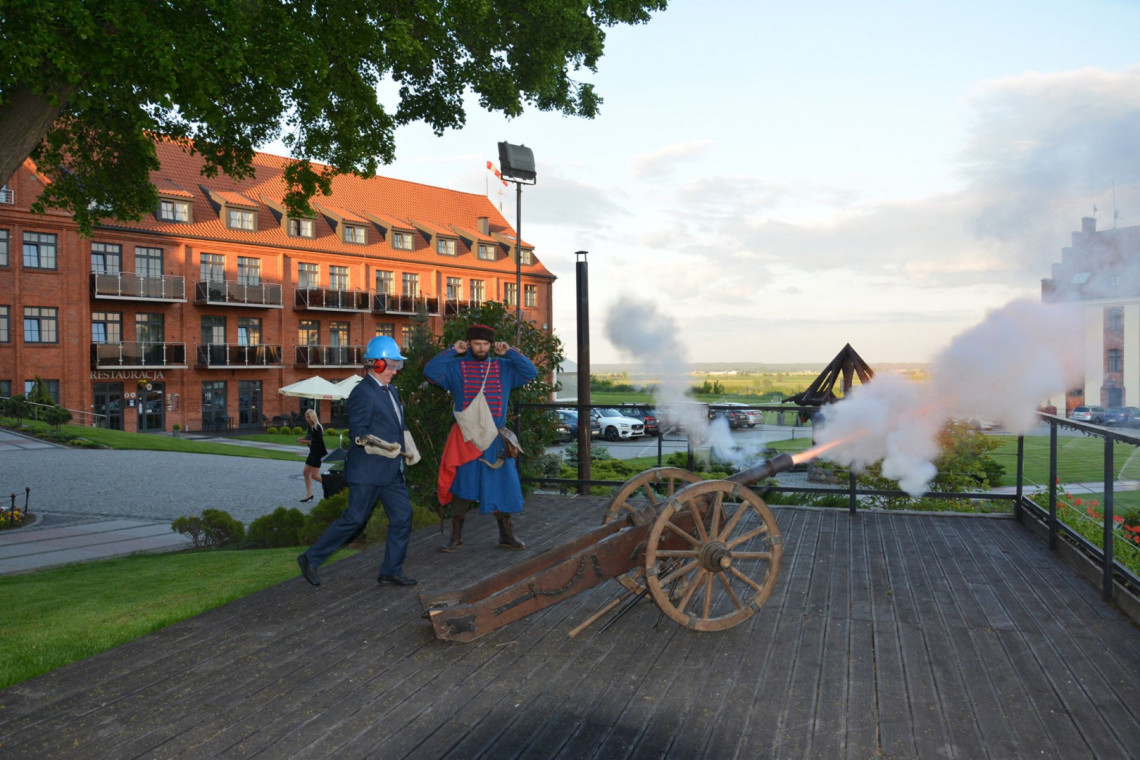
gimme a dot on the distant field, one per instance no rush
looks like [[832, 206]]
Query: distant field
[[713, 386]]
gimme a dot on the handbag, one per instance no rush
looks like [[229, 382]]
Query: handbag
[[476, 422]]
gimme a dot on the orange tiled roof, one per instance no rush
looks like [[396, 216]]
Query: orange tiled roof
[[471, 236], [233, 199], [382, 202]]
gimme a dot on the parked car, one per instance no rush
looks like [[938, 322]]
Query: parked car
[[751, 416], [736, 418], [1093, 414], [567, 426], [1118, 415], [613, 424], [647, 416]]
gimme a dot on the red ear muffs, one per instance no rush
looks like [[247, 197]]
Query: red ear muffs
[[379, 365]]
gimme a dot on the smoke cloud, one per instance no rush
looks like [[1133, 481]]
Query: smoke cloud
[[999, 370]]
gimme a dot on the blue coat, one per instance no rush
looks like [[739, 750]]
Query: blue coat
[[370, 410]]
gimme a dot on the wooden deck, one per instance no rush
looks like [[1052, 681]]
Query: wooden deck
[[888, 635]]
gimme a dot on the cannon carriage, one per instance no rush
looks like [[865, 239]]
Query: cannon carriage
[[707, 552]]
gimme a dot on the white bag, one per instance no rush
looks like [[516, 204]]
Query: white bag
[[476, 422]]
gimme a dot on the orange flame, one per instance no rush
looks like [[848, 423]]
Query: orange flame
[[809, 454]]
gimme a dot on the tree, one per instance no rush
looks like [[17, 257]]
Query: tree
[[429, 407], [85, 86]]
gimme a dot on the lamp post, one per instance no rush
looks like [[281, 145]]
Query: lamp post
[[516, 164]]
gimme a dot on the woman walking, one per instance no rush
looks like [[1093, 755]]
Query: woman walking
[[317, 451]]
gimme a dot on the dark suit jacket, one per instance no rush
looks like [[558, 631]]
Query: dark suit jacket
[[370, 411]]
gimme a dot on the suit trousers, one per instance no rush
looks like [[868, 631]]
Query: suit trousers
[[362, 498]]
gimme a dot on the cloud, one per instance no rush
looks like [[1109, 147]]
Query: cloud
[[663, 162]]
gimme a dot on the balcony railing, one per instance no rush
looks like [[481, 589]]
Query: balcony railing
[[232, 293], [137, 355], [229, 355], [323, 299], [383, 303], [455, 306], [127, 285], [330, 356]]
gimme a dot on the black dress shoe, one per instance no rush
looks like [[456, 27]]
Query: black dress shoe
[[308, 570], [399, 580], [308, 499]]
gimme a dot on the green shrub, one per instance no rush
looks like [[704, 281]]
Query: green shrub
[[321, 516], [597, 453], [271, 430], [213, 529], [331, 431], [298, 430], [277, 529], [58, 416]]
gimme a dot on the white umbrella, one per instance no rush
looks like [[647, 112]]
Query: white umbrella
[[348, 383], [315, 387]]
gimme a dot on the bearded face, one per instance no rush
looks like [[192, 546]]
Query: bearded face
[[480, 349]]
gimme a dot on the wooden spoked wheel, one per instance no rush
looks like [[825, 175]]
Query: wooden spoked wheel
[[651, 488], [713, 556]]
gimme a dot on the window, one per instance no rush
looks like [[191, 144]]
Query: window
[[150, 328], [212, 267], [308, 276], [213, 330], [249, 331], [338, 278], [387, 329], [384, 283], [241, 219], [309, 332], [454, 288], [405, 336], [39, 250], [52, 387], [174, 211], [478, 291], [41, 324], [6, 388], [445, 247], [1115, 360], [249, 402], [530, 296], [411, 284], [486, 252], [249, 271], [1114, 320], [354, 234], [306, 228], [338, 333], [527, 257], [5, 324], [106, 327], [213, 402], [148, 262], [402, 241], [6, 195], [106, 258], [510, 294], [3, 248]]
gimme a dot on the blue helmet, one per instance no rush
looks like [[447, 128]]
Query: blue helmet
[[382, 347]]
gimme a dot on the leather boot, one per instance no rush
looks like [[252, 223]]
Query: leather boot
[[507, 536], [456, 539]]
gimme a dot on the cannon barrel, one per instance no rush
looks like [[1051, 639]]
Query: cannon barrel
[[767, 469]]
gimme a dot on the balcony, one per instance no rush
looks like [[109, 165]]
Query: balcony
[[330, 356], [129, 286], [453, 307], [383, 303], [136, 355], [233, 293], [232, 355], [323, 299]]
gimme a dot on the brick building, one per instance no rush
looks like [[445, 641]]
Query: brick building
[[200, 311], [1100, 271]]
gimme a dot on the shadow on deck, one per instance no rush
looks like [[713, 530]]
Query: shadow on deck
[[888, 635]]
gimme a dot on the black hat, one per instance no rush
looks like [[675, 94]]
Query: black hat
[[481, 332]]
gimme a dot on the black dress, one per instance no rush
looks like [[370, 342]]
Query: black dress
[[317, 449]]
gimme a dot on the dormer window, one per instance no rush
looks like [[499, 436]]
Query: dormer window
[[445, 247], [527, 257], [174, 211], [486, 252], [241, 219], [354, 234], [305, 228], [402, 241]]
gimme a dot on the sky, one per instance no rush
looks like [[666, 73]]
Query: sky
[[785, 178]]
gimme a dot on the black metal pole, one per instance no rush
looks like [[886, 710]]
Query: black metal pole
[[1053, 486], [582, 271], [1020, 477], [1109, 477], [518, 259]]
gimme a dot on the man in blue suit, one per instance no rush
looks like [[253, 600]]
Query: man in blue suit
[[379, 445]]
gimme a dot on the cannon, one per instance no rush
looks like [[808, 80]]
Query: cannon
[[707, 552]]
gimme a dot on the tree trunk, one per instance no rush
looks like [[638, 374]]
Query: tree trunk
[[24, 120]]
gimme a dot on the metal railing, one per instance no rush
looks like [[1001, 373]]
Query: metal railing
[[126, 285], [78, 416], [225, 355], [324, 299], [330, 356], [232, 293], [138, 355], [385, 303]]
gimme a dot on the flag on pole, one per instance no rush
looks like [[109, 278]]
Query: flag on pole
[[497, 173]]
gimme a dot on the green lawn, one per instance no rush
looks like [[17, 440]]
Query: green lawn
[[61, 615], [1079, 459]]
